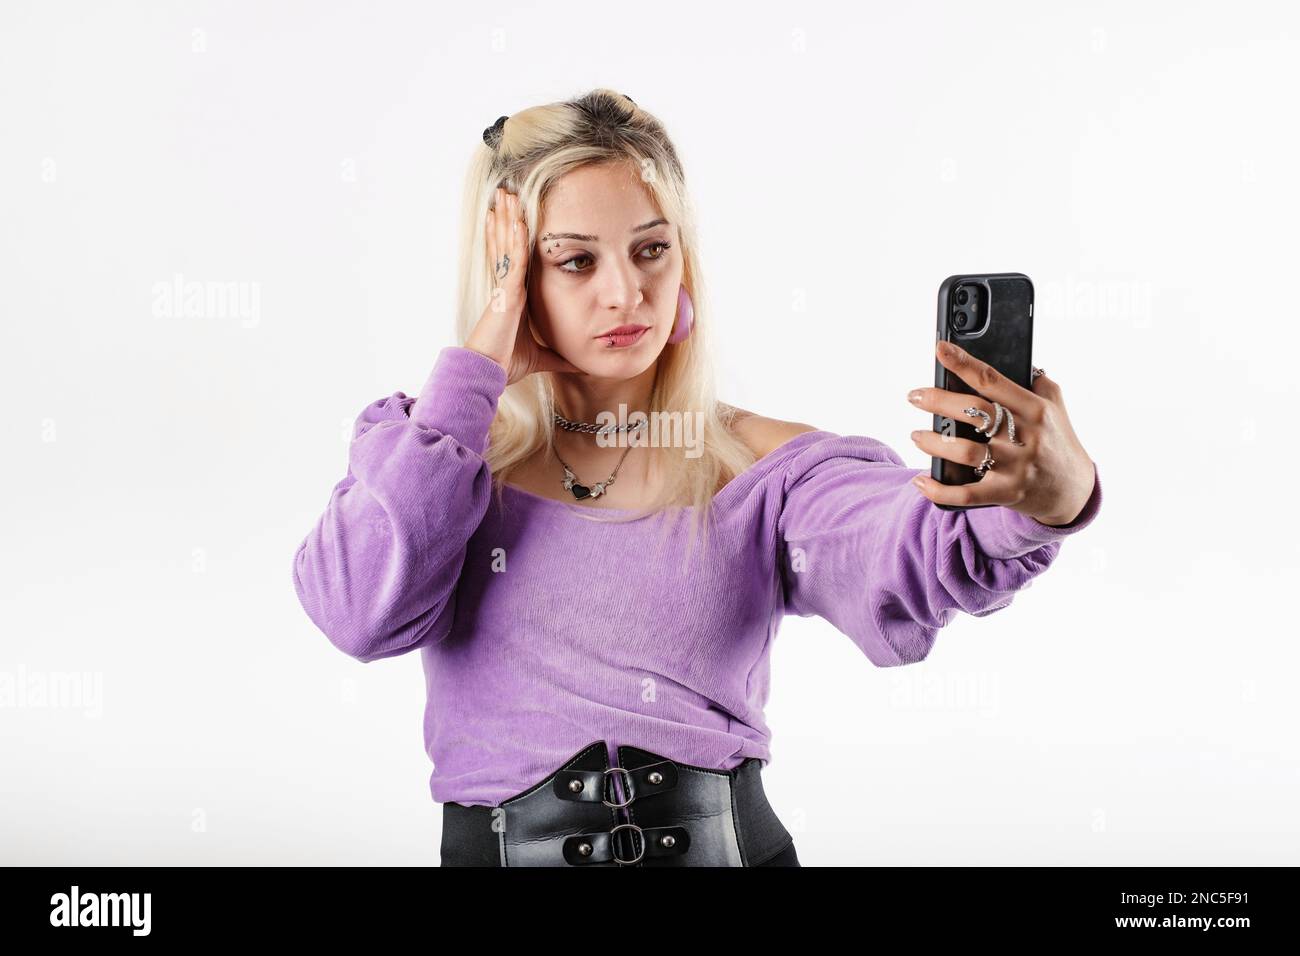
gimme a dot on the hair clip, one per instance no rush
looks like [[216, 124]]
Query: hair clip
[[492, 135]]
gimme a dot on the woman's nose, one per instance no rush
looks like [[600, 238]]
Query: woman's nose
[[622, 287]]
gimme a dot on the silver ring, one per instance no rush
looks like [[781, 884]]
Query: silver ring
[[991, 430], [1011, 424], [1034, 374], [972, 411], [986, 464]]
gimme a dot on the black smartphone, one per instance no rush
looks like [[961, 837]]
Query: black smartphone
[[991, 316]]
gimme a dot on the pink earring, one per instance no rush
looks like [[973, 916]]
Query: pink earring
[[685, 317]]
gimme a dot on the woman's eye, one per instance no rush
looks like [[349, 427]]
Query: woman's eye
[[563, 265], [661, 246]]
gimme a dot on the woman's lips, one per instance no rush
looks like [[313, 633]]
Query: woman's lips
[[621, 340]]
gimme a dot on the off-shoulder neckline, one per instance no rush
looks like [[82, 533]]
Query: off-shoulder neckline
[[749, 475]]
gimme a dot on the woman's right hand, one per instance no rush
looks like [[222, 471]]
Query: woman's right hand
[[500, 333]]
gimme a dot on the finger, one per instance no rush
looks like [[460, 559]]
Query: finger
[[518, 242], [961, 451], [1047, 388], [955, 408], [490, 235], [503, 237], [985, 379], [992, 489], [952, 405]]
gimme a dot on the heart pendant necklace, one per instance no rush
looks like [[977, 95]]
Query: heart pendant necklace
[[570, 480], [580, 490]]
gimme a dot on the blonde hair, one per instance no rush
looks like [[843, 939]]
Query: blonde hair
[[537, 146]]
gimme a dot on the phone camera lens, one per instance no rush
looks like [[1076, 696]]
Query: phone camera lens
[[962, 297], [960, 320]]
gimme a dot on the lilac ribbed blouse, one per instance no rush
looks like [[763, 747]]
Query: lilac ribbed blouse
[[541, 630]]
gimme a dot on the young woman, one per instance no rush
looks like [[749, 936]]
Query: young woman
[[595, 609]]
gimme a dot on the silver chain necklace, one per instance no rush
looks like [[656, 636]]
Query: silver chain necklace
[[570, 480], [592, 428]]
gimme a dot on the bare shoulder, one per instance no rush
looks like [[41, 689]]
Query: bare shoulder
[[765, 435]]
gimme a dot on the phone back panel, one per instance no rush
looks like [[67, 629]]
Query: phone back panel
[[1004, 341]]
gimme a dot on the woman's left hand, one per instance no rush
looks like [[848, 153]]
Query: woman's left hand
[[1050, 478]]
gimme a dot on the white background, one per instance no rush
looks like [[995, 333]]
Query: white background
[[1138, 161]]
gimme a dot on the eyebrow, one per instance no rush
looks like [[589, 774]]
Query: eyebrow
[[583, 237]]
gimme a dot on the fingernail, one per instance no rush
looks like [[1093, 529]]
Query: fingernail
[[946, 349], [919, 482], [916, 435], [914, 396]]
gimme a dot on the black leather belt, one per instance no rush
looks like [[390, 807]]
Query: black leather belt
[[647, 811]]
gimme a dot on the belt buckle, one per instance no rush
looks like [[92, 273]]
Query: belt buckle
[[584, 845], [613, 834], [613, 844], [606, 786]]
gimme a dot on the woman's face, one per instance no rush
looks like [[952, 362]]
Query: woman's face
[[604, 259]]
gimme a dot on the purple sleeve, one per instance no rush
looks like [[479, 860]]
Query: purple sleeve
[[864, 549], [378, 570]]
